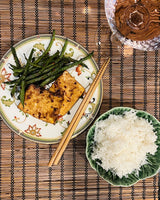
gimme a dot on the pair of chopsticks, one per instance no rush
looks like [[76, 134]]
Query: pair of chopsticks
[[72, 126]]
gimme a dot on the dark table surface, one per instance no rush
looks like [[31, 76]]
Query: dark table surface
[[132, 79]]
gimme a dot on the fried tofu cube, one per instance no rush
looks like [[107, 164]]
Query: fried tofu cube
[[69, 88], [42, 104], [48, 105]]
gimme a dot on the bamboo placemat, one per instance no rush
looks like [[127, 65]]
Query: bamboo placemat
[[133, 81]]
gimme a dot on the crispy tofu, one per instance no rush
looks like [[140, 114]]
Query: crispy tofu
[[69, 88], [42, 104], [48, 105]]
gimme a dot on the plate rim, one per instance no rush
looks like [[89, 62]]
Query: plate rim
[[88, 142], [49, 140]]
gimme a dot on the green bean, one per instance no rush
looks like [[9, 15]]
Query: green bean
[[12, 67], [28, 62], [22, 92], [42, 70], [19, 70], [59, 58], [51, 59], [15, 57], [17, 74], [61, 70], [22, 79], [37, 79], [78, 61], [14, 89], [32, 70], [11, 82], [74, 60], [58, 63], [43, 76], [64, 48], [35, 65], [48, 48], [50, 79], [52, 65]]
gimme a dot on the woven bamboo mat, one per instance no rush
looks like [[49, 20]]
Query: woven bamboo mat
[[133, 81]]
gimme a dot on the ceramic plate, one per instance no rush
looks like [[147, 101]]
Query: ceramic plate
[[34, 129], [147, 170]]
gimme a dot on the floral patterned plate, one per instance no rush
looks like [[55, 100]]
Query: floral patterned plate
[[34, 129]]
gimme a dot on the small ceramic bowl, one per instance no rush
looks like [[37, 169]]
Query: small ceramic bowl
[[150, 168]]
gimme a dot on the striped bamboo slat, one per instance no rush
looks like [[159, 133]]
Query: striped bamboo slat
[[133, 81]]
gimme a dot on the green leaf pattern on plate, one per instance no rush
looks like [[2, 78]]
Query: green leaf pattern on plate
[[7, 102], [39, 46], [17, 120], [147, 170], [70, 53]]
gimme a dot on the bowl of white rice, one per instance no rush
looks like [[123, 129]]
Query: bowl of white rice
[[123, 146]]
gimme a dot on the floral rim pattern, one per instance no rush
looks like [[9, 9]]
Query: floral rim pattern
[[29, 127], [147, 170]]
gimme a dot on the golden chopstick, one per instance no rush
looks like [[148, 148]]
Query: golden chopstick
[[72, 126]]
